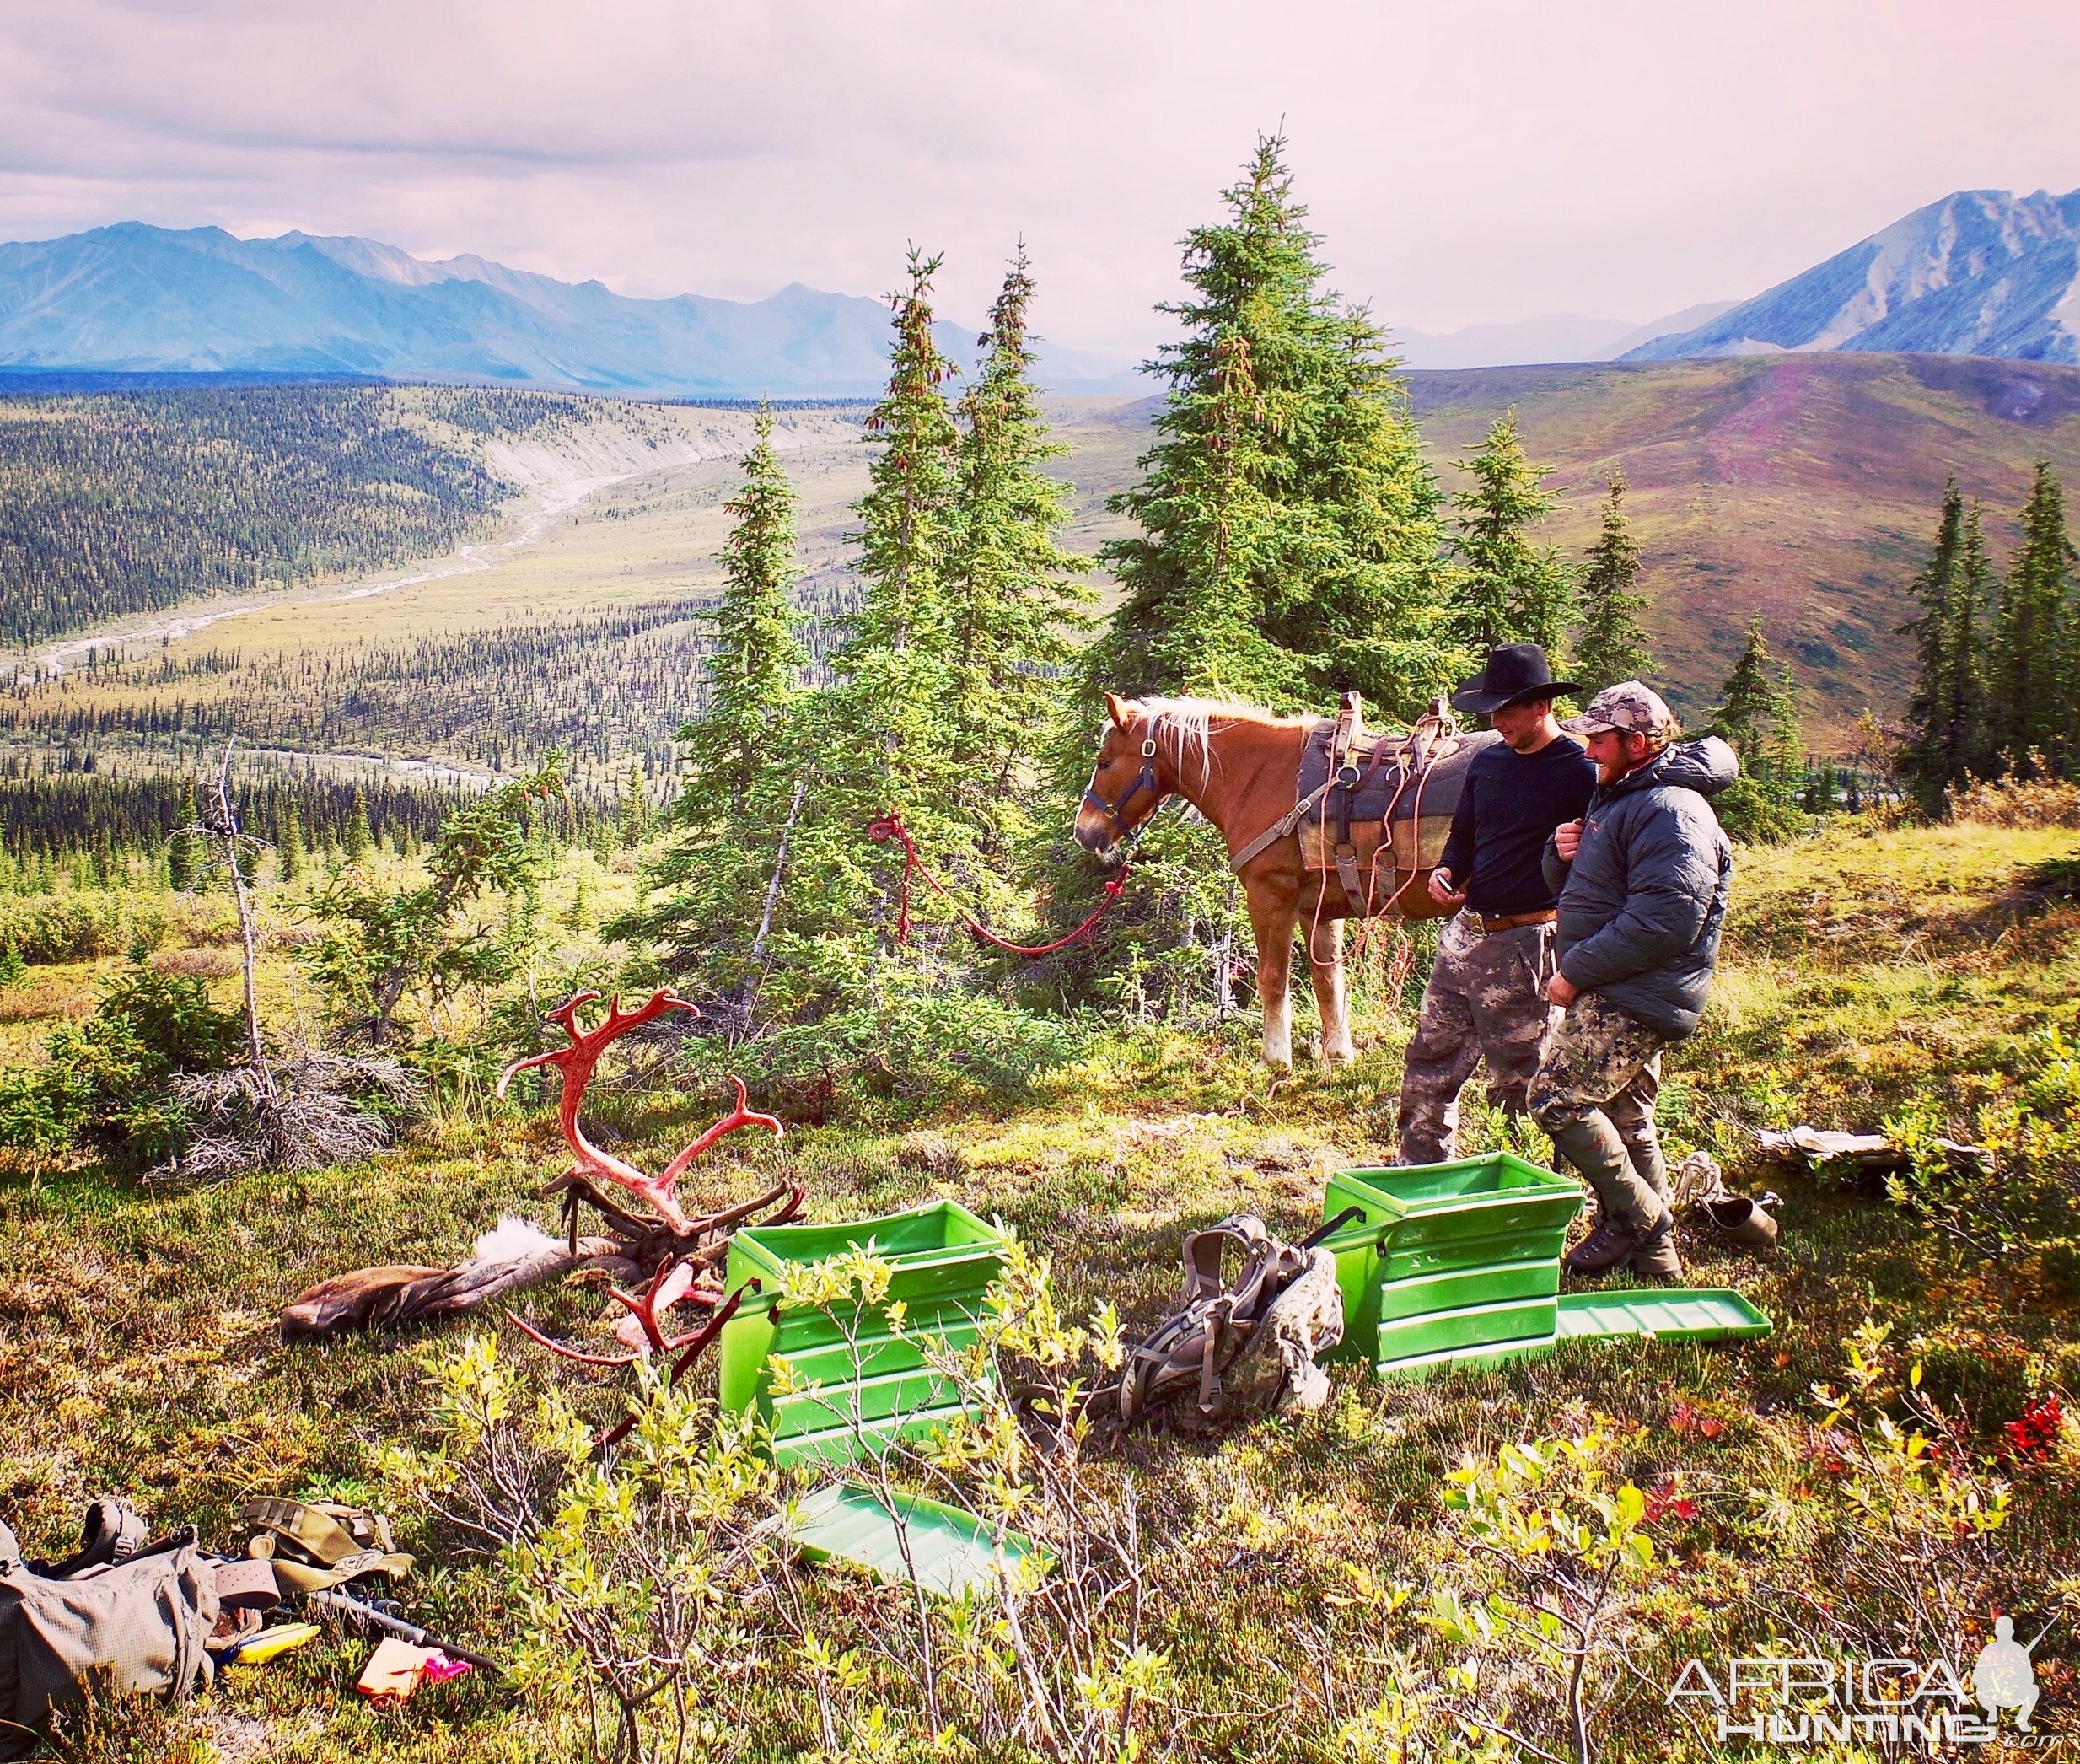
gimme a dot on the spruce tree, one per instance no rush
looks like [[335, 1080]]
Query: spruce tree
[[1946, 711], [289, 842], [704, 890], [1758, 716], [637, 822], [894, 660], [1786, 756], [1013, 598], [1289, 538], [2034, 644], [1754, 706], [1508, 590], [884, 739], [755, 669], [1967, 709], [358, 837], [186, 852], [1611, 644]]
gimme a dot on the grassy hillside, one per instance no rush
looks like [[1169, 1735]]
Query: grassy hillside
[[124, 502], [1865, 968], [1803, 487]]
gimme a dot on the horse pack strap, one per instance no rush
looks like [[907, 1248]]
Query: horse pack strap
[[1343, 767], [1282, 828]]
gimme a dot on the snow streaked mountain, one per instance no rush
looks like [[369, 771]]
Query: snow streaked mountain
[[1981, 273], [139, 298]]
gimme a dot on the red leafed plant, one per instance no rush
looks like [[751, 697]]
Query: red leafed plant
[[2033, 1433], [1684, 1419], [1663, 1501]]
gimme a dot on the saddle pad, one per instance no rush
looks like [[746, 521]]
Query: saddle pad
[[1421, 804]]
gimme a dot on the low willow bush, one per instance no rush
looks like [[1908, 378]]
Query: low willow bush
[[44, 929]]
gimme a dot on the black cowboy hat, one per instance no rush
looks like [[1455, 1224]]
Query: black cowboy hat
[[1514, 671]]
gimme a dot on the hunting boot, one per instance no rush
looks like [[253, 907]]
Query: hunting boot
[[1615, 1245]]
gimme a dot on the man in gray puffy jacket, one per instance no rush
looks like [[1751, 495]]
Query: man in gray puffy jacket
[[1642, 879]]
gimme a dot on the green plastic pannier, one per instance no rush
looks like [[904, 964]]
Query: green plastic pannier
[[857, 1384]]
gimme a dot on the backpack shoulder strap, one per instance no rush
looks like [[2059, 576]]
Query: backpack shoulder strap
[[1214, 1317]]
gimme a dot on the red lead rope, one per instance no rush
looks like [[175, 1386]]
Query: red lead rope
[[890, 826]]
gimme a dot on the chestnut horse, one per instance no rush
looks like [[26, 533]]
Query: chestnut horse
[[1238, 767]]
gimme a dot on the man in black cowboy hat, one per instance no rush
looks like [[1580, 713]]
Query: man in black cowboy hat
[[1486, 995]]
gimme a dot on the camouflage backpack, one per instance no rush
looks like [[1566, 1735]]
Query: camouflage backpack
[[134, 1615]]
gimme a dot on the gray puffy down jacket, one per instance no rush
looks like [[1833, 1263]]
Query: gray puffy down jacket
[[1641, 905]]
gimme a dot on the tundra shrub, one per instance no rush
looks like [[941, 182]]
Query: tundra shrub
[[107, 1084]]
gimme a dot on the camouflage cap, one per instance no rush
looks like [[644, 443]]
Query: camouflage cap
[[1628, 705]]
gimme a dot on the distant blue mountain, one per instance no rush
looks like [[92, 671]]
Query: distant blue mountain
[[135, 298], [1981, 273]]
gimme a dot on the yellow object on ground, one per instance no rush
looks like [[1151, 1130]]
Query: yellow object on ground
[[262, 1646]]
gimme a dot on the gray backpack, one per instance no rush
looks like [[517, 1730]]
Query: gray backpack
[[134, 1615], [1243, 1342]]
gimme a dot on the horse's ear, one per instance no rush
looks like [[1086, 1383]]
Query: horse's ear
[[1116, 707]]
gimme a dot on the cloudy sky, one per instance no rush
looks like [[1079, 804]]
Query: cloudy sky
[[1467, 160]]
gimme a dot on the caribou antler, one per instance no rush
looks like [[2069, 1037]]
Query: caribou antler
[[667, 1288], [578, 1063], [672, 1282], [742, 1116]]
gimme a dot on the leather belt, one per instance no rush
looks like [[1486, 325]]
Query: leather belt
[[1511, 920]]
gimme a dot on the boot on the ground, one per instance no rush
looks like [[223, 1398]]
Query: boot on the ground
[[1615, 1245], [1743, 1221]]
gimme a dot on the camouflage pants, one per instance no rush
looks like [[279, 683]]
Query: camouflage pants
[[1486, 1001], [1594, 1093]]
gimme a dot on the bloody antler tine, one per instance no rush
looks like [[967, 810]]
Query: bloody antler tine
[[689, 1347], [797, 1194], [733, 1216], [577, 1062], [518, 1067], [556, 1346], [694, 1346], [644, 1309], [741, 1115]]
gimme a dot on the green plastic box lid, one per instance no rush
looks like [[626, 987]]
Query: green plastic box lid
[[951, 1550], [1679, 1313]]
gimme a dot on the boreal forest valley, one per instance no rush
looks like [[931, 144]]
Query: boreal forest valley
[[349, 729]]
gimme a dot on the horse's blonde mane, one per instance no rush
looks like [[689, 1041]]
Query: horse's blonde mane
[[1192, 720]]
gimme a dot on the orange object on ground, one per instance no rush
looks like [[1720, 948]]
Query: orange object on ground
[[394, 1670]]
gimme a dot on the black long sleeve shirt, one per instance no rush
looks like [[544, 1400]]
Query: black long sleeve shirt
[[1508, 808]]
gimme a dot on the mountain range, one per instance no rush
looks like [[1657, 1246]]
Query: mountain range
[[136, 298], [1981, 273]]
